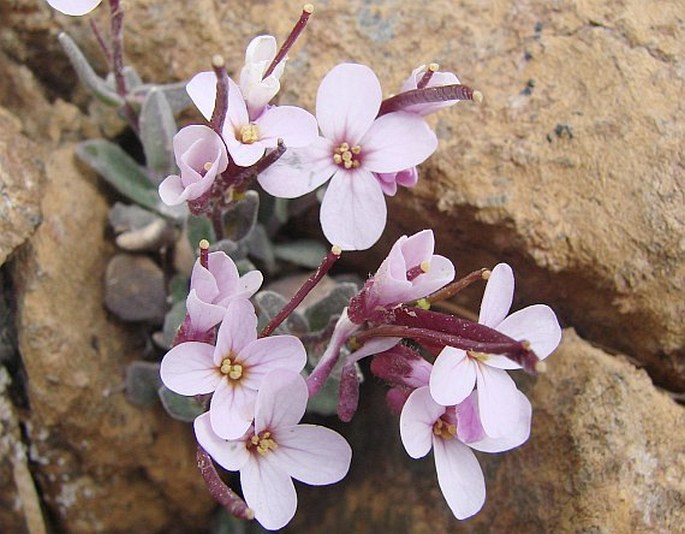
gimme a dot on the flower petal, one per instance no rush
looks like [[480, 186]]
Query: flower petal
[[231, 410], [497, 401], [373, 346], [230, 455], [74, 8], [269, 491], [459, 476], [202, 91], [294, 125], [224, 272], [519, 435], [238, 329], [453, 377], [498, 296], [440, 273], [281, 401], [203, 315], [418, 416], [537, 324], [313, 454], [300, 170], [267, 354], [353, 211], [347, 102], [188, 369], [397, 141]]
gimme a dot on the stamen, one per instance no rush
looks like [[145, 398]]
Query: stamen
[[207, 166], [418, 270], [234, 371], [444, 430], [249, 133], [480, 356], [423, 82], [299, 27], [263, 443], [346, 156], [204, 253]]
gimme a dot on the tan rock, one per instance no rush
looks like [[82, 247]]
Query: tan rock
[[606, 454], [21, 177], [103, 464]]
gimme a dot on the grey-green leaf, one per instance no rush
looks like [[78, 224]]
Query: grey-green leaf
[[175, 93], [120, 170], [320, 313], [180, 407], [198, 228], [303, 252], [142, 383], [94, 83], [261, 248], [241, 216], [157, 130]]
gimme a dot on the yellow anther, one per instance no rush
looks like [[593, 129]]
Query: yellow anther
[[249, 134], [337, 158], [541, 367], [204, 244], [236, 372], [477, 97], [347, 156], [480, 356], [344, 147], [263, 443], [254, 440], [336, 250], [226, 366], [424, 304], [433, 67], [356, 149], [485, 275], [218, 61], [444, 429], [425, 266], [207, 166], [308, 8]]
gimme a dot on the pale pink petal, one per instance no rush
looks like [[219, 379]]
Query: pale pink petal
[[408, 177], [441, 272], [203, 315], [353, 211], [236, 114], [498, 296], [459, 476], [312, 454], [537, 324], [347, 103], [203, 282], [497, 401], [373, 346], [294, 125], [387, 183], [281, 401], [453, 377], [238, 329], [419, 414], [171, 191], [231, 455], [269, 491], [249, 284], [469, 428], [416, 248], [231, 410], [397, 141], [202, 91], [518, 436], [261, 48], [74, 8], [243, 154], [266, 354], [225, 274], [300, 171], [188, 369]]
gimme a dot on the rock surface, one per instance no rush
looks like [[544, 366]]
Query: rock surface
[[606, 454], [102, 464], [21, 178]]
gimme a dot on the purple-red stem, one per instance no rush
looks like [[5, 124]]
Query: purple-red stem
[[455, 287], [117, 37], [101, 41], [326, 264], [221, 100], [290, 41], [443, 93], [221, 493]]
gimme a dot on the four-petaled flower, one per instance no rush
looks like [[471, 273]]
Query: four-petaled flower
[[456, 372], [213, 287], [356, 146], [452, 432], [201, 156], [233, 369], [277, 449], [257, 90]]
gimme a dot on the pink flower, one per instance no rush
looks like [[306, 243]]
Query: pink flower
[[409, 272], [74, 7], [437, 79], [233, 369], [213, 288], [278, 449], [390, 180], [356, 146], [247, 139], [258, 92], [452, 432], [455, 371], [201, 156]]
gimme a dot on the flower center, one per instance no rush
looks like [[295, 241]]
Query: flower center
[[249, 134], [480, 356], [234, 371], [263, 443], [347, 156], [444, 430]]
